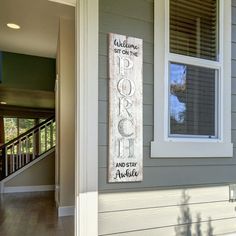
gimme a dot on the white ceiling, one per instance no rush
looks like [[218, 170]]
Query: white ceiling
[[39, 20]]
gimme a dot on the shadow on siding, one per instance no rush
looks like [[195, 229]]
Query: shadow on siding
[[184, 227]]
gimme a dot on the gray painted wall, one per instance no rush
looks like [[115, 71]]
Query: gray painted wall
[[135, 18]]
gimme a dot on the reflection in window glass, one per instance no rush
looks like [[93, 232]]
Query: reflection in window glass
[[42, 140], [10, 128], [178, 83], [41, 120], [192, 100], [13, 127], [25, 125]]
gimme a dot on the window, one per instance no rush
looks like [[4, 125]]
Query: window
[[25, 125], [10, 129], [194, 28], [193, 90], [193, 96], [192, 79], [13, 127]]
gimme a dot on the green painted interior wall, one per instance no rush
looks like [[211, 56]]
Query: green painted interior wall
[[28, 72]]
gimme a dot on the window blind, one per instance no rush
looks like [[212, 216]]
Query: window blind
[[194, 28], [192, 100]]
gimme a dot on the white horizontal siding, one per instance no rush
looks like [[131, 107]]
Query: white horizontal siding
[[220, 227], [160, 198], [150, 212]]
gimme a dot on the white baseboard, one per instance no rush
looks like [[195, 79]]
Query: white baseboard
[[22, 189], [66, 211]]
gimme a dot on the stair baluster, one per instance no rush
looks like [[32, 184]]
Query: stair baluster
[[26, 147]]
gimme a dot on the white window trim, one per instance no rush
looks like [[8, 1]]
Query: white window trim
[[164, 146]]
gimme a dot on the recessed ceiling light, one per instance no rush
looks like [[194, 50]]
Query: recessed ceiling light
[[13, 26], [3, 103]]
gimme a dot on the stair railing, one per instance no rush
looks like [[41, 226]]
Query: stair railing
[[26, 147]]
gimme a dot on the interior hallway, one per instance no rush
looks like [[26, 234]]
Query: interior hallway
[[32, 214]]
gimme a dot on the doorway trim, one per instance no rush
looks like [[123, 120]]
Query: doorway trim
[[86, 133]]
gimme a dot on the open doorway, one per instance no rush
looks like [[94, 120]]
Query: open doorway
[[36, 96]]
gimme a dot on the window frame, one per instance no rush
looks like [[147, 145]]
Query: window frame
[[17, 125], [218, 79], [165, 145]]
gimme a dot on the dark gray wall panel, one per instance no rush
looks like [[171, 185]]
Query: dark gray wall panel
[[233, 83], [103, 90], [181, 175], [169, 162], [233, 33], [234, 3], [110, 22], [126, 8], [233, 68], [117, 17], [233, 15], [233, 49]]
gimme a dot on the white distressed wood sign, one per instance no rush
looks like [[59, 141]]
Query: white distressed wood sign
[[125, 109]]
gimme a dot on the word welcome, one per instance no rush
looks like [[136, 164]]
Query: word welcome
[[125, 129]]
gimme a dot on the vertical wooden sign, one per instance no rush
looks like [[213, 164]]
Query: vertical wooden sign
[[125, 109]]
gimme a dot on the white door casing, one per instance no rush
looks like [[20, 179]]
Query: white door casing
[[86, 133]]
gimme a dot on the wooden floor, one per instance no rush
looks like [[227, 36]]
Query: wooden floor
[[32, 214]]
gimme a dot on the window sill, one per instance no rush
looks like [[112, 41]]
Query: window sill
[[171, 149]]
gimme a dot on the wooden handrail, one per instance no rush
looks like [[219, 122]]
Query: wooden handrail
[[25, 148], [27, 132]]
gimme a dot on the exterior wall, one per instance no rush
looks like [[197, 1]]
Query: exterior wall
[[135, 18], [65, 115], [42, 173], [195, 211], [134, 215]]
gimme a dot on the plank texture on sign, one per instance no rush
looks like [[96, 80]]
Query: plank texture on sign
[[125, 109]]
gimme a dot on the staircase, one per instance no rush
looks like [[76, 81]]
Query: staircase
[[26, 148]]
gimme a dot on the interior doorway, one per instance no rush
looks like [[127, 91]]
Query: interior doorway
[[30, 96]]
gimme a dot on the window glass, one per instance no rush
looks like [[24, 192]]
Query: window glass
[[41, 120], [25, 125], [13, 127], [192, 100], [10, 128], [194, 28], [43, 140]]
